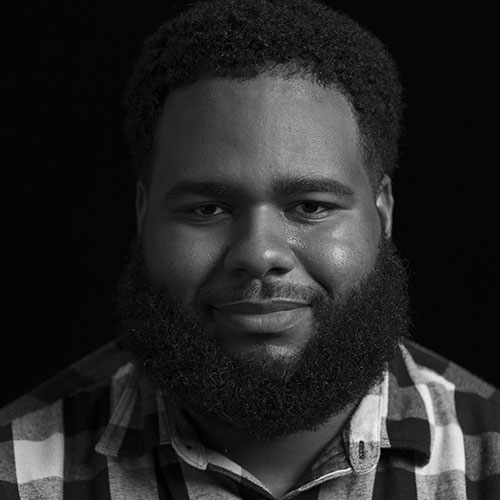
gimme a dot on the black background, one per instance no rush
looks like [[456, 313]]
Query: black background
[[72, 201]]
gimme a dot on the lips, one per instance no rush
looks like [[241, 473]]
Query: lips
[[273, 316]]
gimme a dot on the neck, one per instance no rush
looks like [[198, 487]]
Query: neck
[[277, 463]]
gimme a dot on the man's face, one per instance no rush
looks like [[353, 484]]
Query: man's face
[[263, 294], [259, 182]]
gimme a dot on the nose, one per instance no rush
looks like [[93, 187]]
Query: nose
[[260, 246]]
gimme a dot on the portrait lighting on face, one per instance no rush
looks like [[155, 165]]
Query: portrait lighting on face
[[264, 211], [264, 251]]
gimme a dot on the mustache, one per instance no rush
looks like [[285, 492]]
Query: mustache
[[260, 291]]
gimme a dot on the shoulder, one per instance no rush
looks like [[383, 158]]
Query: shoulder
[[71, 405], [436, 371], [88, 375], [65, 414], [463, 412]]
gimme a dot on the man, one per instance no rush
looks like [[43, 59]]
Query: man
[[264, 321]]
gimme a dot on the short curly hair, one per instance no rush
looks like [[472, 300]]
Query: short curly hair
[[240, 39]]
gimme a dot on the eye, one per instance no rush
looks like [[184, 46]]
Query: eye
[[208, 210], [310, 207], [313, 209], [207, 213]]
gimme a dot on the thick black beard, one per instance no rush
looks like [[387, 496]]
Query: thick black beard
[[261, 396]]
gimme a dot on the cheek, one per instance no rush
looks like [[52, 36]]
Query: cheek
[[180, 260], [338, 260]]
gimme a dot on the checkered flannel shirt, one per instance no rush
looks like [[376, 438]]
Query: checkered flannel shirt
[[99, 431]]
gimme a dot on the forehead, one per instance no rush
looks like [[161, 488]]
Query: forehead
[[255, 129]]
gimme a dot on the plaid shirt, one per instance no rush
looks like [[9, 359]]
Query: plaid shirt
[[99, 431]]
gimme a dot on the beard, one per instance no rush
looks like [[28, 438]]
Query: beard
[[263, 396]]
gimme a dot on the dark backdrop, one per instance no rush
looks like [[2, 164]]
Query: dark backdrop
[[73, 198]]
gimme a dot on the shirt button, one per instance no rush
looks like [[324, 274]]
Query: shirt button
[[361, 450]]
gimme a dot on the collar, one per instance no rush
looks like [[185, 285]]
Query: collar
[[138, 420], [407, 423], [392, 416]]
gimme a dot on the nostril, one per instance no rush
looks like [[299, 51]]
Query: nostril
[[257, 264], [260, 245]]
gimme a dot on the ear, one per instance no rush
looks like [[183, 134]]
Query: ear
[[385, 204], [141, 205]]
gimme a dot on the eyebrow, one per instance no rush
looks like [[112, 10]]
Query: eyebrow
[[201, 188], [301, 185], [284, 187]]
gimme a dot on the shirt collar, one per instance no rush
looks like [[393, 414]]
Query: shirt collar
[[363, 431], [391, 416], [138, 417], [407, 424]]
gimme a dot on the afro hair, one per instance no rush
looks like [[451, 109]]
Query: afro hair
[[240, 39]]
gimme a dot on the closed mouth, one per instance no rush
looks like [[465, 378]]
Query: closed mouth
[[272, 317], [260, 307]]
